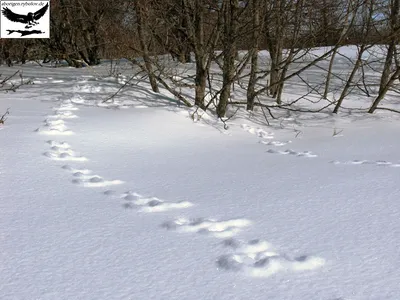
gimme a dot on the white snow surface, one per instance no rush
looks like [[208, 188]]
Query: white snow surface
[[140, 202]]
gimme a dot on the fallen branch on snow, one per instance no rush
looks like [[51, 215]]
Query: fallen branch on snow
[[3, 117]]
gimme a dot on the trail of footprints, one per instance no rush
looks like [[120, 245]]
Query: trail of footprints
[[218, 229], [259, 259], [253, 258], [55, 125], [62, 151], [151, 204], [382, 163], [266, 138], [291, 152], [258, 132]]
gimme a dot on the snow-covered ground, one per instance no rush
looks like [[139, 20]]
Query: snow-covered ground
[[134, 200]]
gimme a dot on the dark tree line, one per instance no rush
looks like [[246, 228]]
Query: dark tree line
[[229, 34]]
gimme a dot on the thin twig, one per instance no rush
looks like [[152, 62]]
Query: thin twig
[[3, 117]]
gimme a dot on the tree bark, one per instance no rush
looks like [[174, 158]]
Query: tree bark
[[329, 75], [141, 20], [350, 79], [230, 52], [386, 79], [255, 11]]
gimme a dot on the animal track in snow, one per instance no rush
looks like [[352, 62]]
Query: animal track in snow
[[63, 145], [292, 152], [49, 122], [88, 180], [219, 229], [109, 192], [258, 131], [257, 258], [65, 107], [63, 154], [54, 129], [367, 162], [73, 170], [151, 204], [62, 151], [55, 125], [63, 115], [275, 143]]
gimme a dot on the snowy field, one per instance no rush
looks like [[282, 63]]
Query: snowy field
[[134, 200]]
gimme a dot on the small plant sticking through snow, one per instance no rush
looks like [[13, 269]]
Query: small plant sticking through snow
[[3, 117]]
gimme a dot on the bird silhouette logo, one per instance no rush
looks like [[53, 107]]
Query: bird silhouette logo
[[31, 19]]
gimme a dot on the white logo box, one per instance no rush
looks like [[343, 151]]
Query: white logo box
[[25, 19]]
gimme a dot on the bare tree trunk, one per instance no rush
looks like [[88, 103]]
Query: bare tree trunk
[[387, 66], [230, 52], [276, 60], [281, 83], [394, 22], [255, 11], [183, 47], [329, 75], [5, 45], [350, 79], [143, 44], [200, 53], [275, 36], [382, 93], [200, 84], [297, 6], [24, 54], [386, 79]]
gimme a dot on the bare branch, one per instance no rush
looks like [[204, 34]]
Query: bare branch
[[3, 117]]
